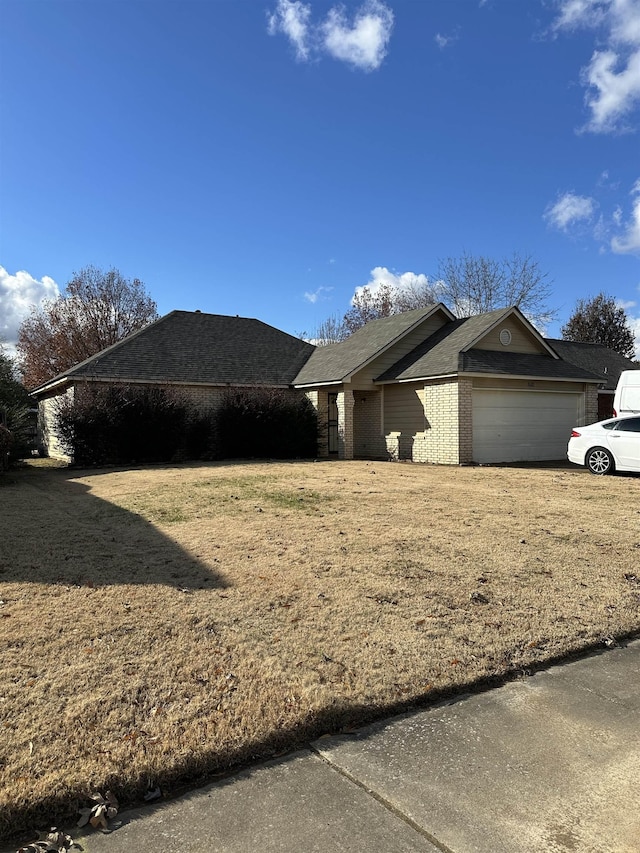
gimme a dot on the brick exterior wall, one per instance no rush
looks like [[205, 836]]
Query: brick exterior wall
[[368, 438], [320, 401], [465, 421], [440, 442], [48, 440], [345, 424], [590, 404]]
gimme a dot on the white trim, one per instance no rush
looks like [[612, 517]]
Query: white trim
[[416, 379], [319, 384], [528, 390]]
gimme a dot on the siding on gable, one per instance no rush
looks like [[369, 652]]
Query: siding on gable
[[404, 346], [521, 339]]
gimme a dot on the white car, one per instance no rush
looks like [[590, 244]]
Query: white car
[[608, 446]]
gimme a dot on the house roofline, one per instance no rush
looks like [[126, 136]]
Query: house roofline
[[417, 379], [118, 380], [486, 375], [534, 378], [439, 306], [508, 312], [301, 386]]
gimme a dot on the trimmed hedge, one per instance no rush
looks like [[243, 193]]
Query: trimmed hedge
[[134, 424], [128, 424], [267, 423]]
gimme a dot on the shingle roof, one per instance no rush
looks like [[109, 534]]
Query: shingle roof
[[439, 354], [597, 359], [445, 353], [335, 362], [192, 347], [521, 364]]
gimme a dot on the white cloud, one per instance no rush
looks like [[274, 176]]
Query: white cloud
[[612, 77], [629, 241], [445, 41], [382, 277], [625, 304], [617, 90], [634, 324], [361, 41], [20, 293], [291, 17], [569, 209], [316, 295]]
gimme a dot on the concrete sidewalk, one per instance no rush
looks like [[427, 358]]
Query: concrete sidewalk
[[544, 765]]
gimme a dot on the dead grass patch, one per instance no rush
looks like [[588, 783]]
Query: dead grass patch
[[160, 625]]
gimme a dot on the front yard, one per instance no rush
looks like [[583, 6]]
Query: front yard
[[160, 625]]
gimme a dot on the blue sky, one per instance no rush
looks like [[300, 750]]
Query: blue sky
[[267, 157]]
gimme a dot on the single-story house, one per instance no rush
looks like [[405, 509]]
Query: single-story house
[[198, 355], [422, 385]]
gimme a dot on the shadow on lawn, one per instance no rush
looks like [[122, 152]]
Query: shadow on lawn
[[188, 775], [53, 530]]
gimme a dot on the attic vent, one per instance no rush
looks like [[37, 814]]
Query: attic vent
[[505, 337]]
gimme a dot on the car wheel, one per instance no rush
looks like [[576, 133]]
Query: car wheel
[[600, 461]]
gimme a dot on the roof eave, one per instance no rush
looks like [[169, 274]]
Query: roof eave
[[529, 377], [421, 378]]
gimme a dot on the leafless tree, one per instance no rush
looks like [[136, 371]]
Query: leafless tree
[[476, 284], [386, 300]]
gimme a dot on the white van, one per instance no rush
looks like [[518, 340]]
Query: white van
[[626, 400]]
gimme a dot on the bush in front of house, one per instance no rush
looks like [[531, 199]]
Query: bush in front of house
[[266, 423], [133, 424], [126, 424], [6, 440]]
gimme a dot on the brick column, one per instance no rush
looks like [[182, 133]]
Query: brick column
[[465, 421], [345, 424], [591, 404]]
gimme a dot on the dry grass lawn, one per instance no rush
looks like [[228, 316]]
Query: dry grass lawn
[[160, 625]]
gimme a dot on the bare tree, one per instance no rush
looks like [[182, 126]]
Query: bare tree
[[601, 321], [97, 309], [330, 331], [386, 300], [475, 284]]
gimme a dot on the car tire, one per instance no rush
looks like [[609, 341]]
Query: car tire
[[600, 461]]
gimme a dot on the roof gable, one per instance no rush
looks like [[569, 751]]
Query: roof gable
[[195, 348], [338, 362], [457, 348]]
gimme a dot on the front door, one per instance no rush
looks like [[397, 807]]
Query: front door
[[332, 421]]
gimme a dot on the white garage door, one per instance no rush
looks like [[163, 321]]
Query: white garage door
[[523, 426]]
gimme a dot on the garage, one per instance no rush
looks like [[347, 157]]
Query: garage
[[523, 426]]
